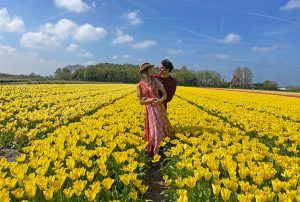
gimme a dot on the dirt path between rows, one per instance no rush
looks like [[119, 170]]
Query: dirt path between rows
[[154, 179]]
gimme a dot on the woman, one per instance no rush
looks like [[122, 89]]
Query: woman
[[157, 125]]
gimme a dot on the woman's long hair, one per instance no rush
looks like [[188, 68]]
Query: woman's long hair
[[146, 76]]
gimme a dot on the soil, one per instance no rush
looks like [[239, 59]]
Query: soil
[[154, 179], [9, 153]]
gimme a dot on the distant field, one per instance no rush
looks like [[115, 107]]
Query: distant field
[[283, 93], [16, 79]]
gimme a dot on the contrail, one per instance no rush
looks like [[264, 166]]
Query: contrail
[[50, 18], [198, 34], [272, 18], [145, 6], [222, 24]]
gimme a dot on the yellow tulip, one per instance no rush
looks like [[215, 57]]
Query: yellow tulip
[[207, 175], [167, 180], [10, 182], [90, 194], [191, 182], [130, 167], [18, 193], [107, 183], [133, 195], [182, 198], [42, 182], [257, 179], [30, 189], [180, 182], [276, 184], [48, 193], [90, 175], [70, 162], [103, 169], [216, 189], [143, 189], [125, 179], [181, 192], [245, 198], [21, 158], [78, 186], [69, 192], [77, 173], [225, 193], [156, 158], [4, 195], [137, 183]]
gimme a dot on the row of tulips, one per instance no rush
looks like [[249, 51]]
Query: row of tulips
[[276, 132], [212, 160], [101, 157], [272, 104], [27, 111]]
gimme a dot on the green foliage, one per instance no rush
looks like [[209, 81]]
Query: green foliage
[[269, 85], [127, 73]]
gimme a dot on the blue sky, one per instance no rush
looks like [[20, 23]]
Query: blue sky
[[42, 35]]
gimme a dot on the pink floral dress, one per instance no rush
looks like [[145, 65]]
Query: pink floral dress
[[157, 125]]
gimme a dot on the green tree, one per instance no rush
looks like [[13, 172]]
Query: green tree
[[269, 85]]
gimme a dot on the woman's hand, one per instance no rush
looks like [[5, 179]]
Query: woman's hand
[[150, 101], [158, 102]]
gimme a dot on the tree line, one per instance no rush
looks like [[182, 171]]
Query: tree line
[[242, 77], [127, 73]]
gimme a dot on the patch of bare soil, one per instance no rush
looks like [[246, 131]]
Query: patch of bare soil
[[9, 153], [154, 179]]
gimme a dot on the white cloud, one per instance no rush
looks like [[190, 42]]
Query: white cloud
[[264, 48], [16, 62], [90, 62], [126, 56], [72, 47], [62, 29], [72, 5], [133, 18], [51, 34], [88, 32], [291, 5], [10, 24], [144, 44], [85, 55], [38, 40], [221, 56], [115, 57], [65, 28], [231, 38], [6, 50], [122, 38], [174, 51]]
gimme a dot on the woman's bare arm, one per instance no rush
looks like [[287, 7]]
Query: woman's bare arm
[[162, 90]]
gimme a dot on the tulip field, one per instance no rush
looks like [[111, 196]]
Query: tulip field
[[84, 142]]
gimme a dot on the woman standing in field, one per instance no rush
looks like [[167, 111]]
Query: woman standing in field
[[157, 125]]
